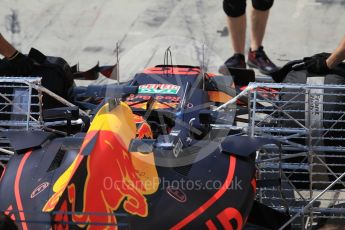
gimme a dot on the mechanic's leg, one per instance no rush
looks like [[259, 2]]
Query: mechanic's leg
[[257, 57], [236, 20], [259, 17], [259, 21], [237, 28]]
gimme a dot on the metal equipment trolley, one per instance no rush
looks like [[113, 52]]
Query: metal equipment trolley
[[305, 175]]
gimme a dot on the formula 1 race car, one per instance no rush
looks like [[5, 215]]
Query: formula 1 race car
[[156, 155]]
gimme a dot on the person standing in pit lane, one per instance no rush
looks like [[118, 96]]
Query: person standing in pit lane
[[236, 18]]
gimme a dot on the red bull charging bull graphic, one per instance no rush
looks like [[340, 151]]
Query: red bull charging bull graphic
[[112, 179]]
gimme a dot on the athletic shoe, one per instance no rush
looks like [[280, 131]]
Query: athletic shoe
[[259, 60], [235, 61]]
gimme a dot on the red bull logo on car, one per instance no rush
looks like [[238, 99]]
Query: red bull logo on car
[[115, 178], [108, 188]]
